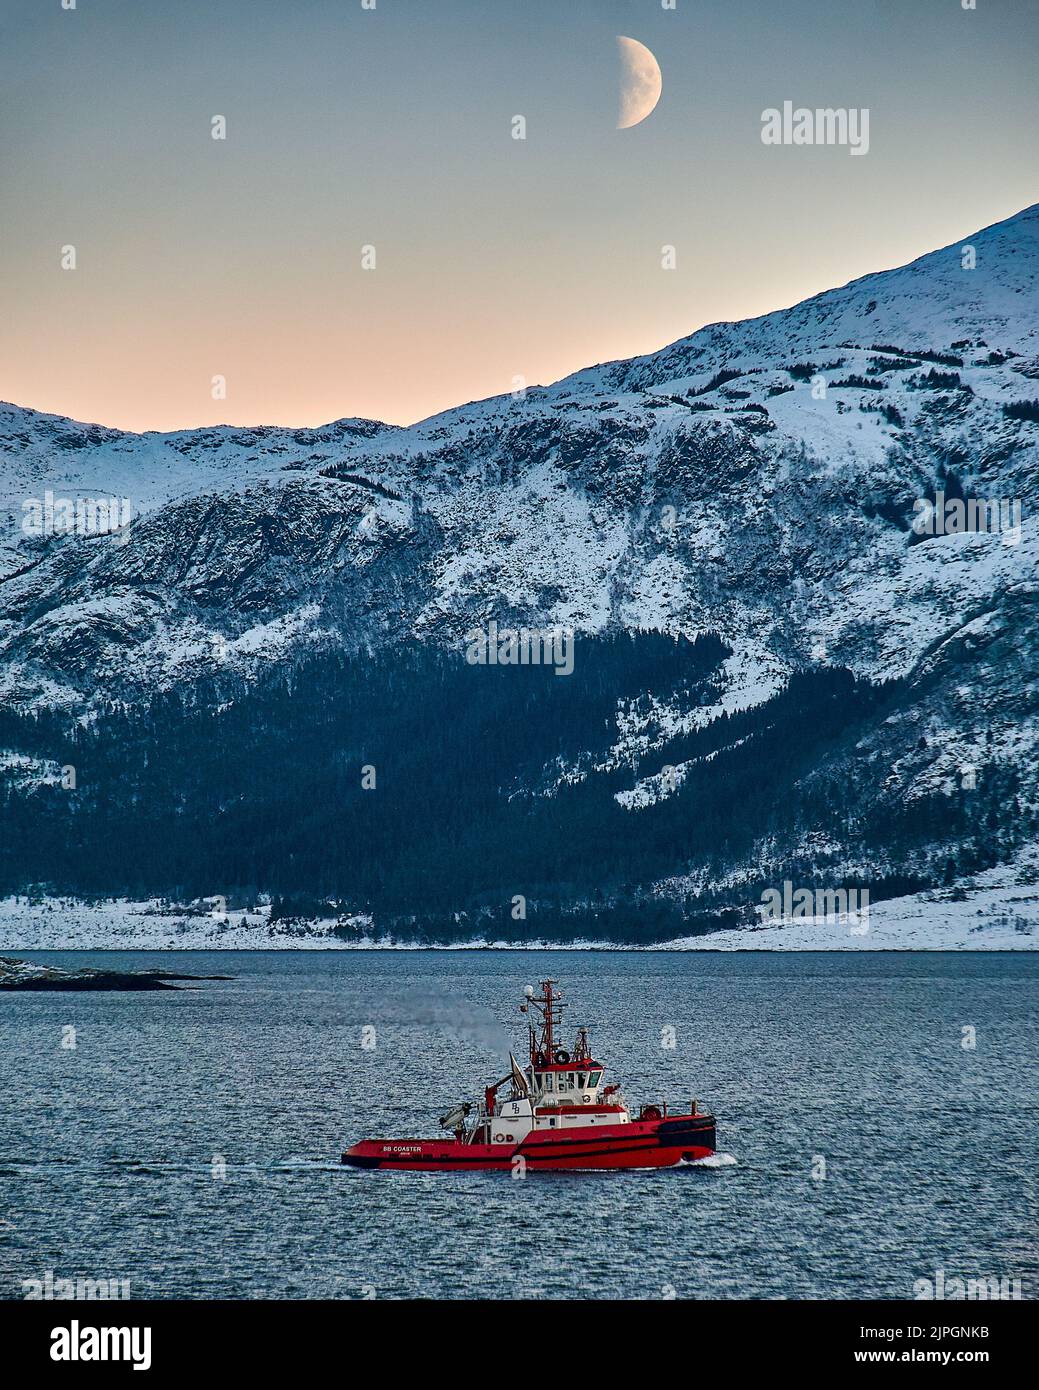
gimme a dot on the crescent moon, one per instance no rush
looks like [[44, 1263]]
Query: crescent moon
[[641, 82]]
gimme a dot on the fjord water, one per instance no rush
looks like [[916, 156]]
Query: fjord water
[[189, 1142]]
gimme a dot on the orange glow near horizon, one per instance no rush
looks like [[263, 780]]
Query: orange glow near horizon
[[376, 350]]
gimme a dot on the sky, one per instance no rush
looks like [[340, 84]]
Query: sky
[[498, 261]]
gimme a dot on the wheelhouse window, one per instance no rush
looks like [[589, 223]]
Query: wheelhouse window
[[594, 1077]]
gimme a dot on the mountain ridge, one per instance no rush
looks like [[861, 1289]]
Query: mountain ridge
[[1026, 215], [757, 482]]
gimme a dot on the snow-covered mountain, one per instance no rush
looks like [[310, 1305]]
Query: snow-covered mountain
[[755, 480]]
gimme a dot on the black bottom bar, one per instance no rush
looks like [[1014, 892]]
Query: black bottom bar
[[174, 1339]]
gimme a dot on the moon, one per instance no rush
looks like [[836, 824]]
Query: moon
[[640, 84]]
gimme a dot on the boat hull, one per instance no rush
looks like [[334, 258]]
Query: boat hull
[[659, 1143]]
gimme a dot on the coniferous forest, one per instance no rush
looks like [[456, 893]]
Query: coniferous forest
[[435, 795]]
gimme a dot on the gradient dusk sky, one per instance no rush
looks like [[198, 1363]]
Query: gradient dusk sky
[[497, 258]]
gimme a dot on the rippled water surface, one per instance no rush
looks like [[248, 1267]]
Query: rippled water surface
[[189, 1142]]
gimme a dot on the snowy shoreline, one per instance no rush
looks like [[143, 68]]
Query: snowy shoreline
[[997, 910]]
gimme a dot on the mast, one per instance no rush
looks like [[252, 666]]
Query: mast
[[543, 1035]]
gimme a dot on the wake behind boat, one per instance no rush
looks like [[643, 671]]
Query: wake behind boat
[[555, 1113]]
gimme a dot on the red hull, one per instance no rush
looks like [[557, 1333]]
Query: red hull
[[641, 1144]]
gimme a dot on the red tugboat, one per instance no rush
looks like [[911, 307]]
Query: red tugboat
[[556, 1113]]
